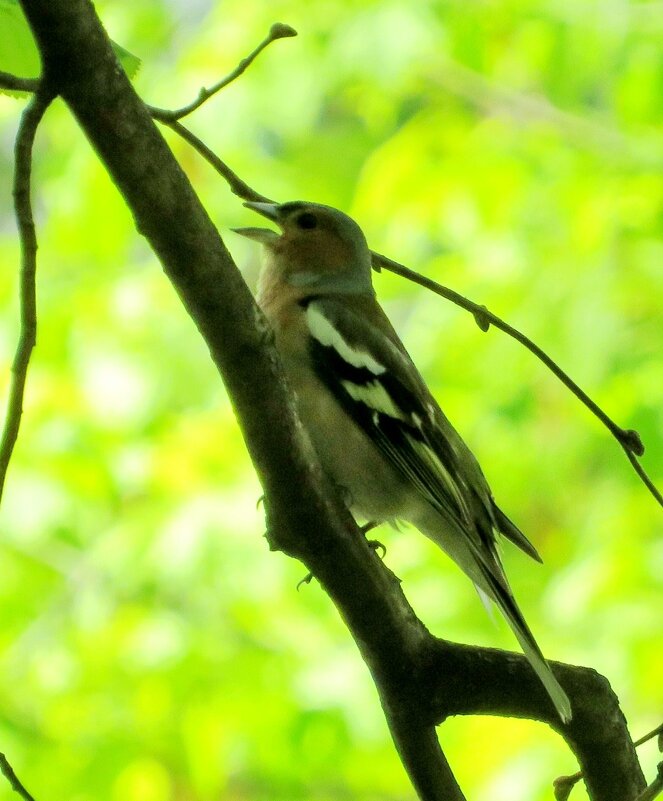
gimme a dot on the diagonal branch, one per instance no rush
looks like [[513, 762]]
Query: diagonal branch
[[77, 57], [237, 185], [25, 137]]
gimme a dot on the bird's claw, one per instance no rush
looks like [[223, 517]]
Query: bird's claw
[[376, 545], [308, 578]]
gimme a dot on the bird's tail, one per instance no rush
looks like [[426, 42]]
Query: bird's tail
[[509, 608], [478, 558]]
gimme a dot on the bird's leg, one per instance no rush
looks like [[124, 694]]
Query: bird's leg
[[376, 545], [308, 578]]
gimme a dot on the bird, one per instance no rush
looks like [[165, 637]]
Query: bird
[[378, 432]]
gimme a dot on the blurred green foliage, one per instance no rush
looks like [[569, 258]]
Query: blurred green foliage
[[18, 51], [151, 647]]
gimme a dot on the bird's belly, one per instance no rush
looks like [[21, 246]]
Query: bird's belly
[[371, 487]]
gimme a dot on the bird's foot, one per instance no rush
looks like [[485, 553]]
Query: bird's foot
[[376, 545], [308, 578]]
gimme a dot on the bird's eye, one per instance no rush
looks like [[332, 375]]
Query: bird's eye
[[307, 220]]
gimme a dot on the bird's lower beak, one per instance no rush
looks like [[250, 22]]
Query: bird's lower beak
[[263, 235], [269, 210]]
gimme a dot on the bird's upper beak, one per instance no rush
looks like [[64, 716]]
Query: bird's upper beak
[[263, 235], [269, 210]]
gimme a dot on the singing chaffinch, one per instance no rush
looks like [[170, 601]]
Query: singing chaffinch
[[378, 431]]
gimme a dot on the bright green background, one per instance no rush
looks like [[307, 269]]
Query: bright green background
[[151, 647]]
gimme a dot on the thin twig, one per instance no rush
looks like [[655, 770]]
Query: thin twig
[[12, 778], [16, 84], [564, 784], [628, 438], [277, 31], [640, 470], [25, 137], [237, 186]]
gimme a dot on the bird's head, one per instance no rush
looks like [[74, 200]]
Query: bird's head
[[319, 248]]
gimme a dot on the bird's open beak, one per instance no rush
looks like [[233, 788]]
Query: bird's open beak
[[263, 235]]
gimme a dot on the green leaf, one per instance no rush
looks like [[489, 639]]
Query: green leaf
[[18, 51], [129, 62]]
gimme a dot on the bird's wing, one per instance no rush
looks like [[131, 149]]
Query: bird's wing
[[362, 362], [357, 354]]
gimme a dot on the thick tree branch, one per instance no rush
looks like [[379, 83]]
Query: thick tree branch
[[80, 65], [305, 517]]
